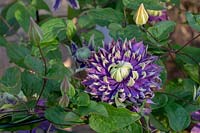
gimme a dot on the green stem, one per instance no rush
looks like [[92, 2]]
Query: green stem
[[45, 73], [187, 43], [125, 18]]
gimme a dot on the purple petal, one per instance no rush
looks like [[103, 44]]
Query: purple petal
[[196, 115], [73, 4], [196, 128], [57, 4], [74, 48], [105, 31], [162, 17]]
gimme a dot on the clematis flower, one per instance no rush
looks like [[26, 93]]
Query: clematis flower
[[196, 128], [157, 16], [72, 3], [196, 116], [122, 70]]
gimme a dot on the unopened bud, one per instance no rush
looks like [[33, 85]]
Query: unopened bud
[[64, 101], [196, 94], [83, 53], [64, 85], [35, 33], [141, 16]]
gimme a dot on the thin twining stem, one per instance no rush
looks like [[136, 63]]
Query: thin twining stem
[[187, 43], [45, 73]]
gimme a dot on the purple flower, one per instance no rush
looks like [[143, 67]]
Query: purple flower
[[72, 3], [196, 128], [157, 16], [196, 116], [122, 70]]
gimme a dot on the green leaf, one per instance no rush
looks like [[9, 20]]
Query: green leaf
[[71, 29], [71, 91], [182, 88], [3, 41], [178, 117], [31, 84], [18, 12], [193, 20], [57, 71], [10, 14], [52, 91], [57, 115], [149, 4], [51, 29], [160, 101], [157, 124], [12, 81], [163, 74], [192, 108], [83, 99], [129, 32], [117, 118], [4, 27], [17, 53], [192, 71], [176, 2], [85, 22], [23, 18], [105, 16], [40, 4], [161, 31], [98, 37], [92, 108], [133, 128], [34, 64], [189, 50]]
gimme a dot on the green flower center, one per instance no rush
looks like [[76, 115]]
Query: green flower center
[[120, 70]]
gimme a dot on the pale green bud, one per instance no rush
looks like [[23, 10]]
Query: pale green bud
[[83, 53], [35, 33], [64, 101], [64, 86]]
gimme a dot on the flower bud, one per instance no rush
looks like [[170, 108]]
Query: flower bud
[[196, 94], [64, 101], [35, 33], [141, 16], [83, 53], [64, 85]]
